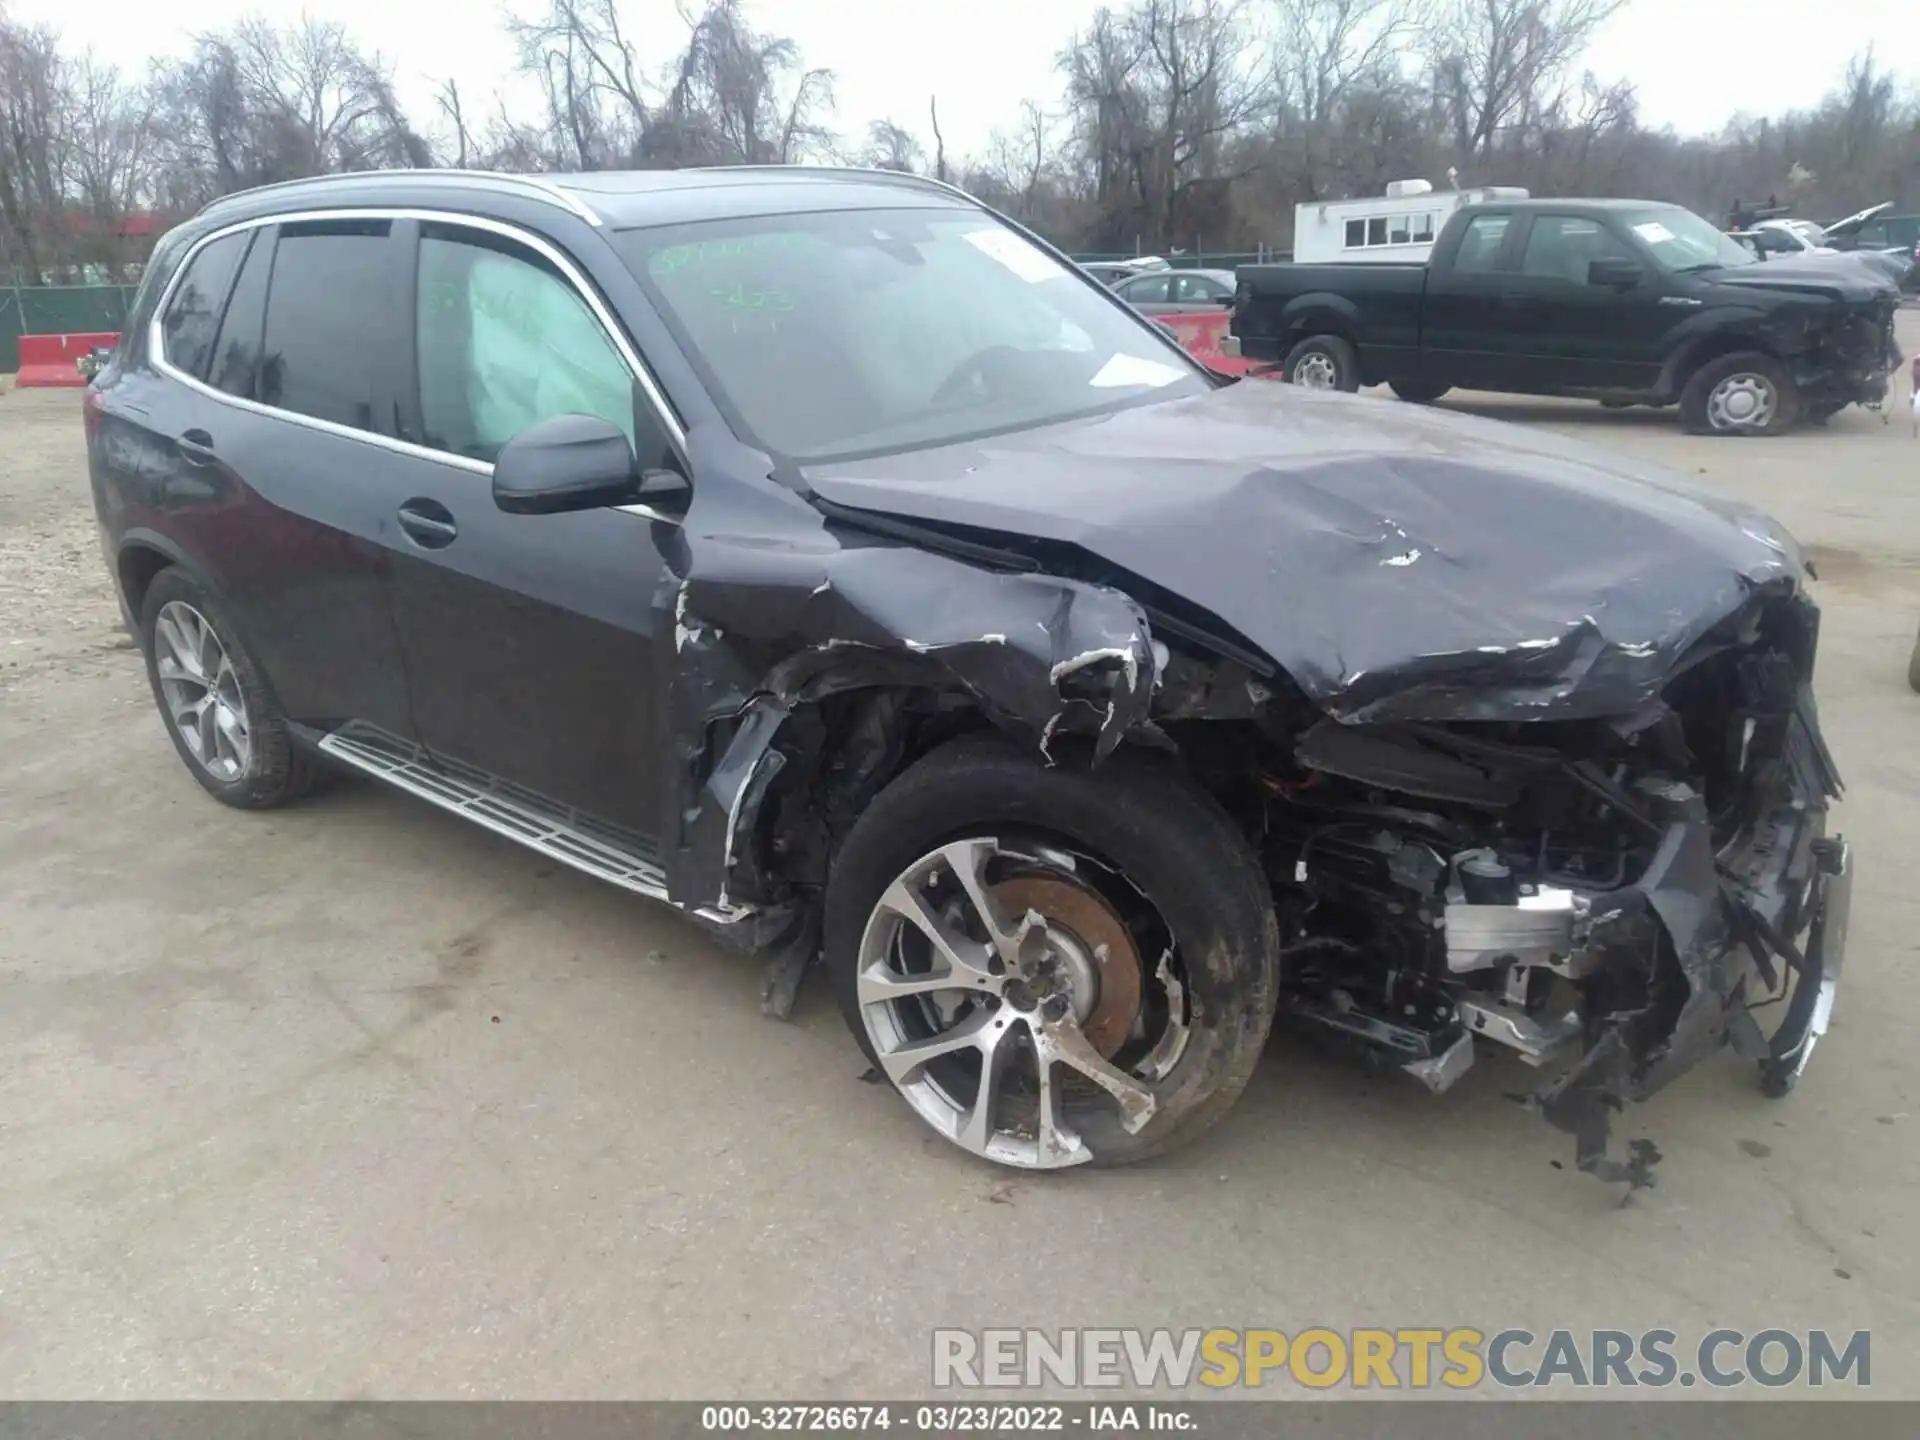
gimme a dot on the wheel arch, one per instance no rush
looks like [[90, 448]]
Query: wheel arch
[[143, 554], [1727, 337], [1320, 312]]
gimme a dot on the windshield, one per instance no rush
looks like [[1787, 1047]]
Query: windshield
[[1681, 240], [828, 336]]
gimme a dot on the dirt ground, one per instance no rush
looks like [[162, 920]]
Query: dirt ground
[[354, 1100]]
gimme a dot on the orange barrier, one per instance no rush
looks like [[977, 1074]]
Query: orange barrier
[[47, 361], [1200, 336]]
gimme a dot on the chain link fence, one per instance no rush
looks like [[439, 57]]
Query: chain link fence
[[57, 310]]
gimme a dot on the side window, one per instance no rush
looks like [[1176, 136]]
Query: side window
[[236, 354], [1152, 290], [1872, 236], [1196, 289], [1377, 231], [505, 341], [1356, 234], [1480, 246], [1561, 247], [328, 298], [1423, 229], [193, 313]]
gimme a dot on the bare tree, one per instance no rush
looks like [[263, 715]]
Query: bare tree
[[1155, 93], [453, 111], [939, 140], [892, 147], [263, 103], [1494, 61], [1017, 159], [590, 77], [34, 136], [742, 97], [1326, 49]]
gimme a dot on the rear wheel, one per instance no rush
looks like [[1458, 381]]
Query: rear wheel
[[1053, 966], [220, 714], [1742, 394], [1323, 362], [1418, 392]]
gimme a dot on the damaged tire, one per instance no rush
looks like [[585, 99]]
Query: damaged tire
[[1053, 966], [1323, 362], [1747, 393]]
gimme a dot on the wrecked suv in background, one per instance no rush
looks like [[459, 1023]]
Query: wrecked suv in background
[[819, 554]]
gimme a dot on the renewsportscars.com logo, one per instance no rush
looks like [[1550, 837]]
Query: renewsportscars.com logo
[[1414, 1359]]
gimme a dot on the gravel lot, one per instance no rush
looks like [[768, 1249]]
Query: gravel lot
[[353, 1100]]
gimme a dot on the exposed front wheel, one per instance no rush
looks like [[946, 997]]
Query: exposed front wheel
[[1323, 362], [1744, 394], [1053, 966]]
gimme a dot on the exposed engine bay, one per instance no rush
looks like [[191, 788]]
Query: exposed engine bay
[[1521, 738], [1609, 900]]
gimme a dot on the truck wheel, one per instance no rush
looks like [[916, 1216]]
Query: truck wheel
[[1053, 966], [1418, 392], [1323, 362], [1742, 394]]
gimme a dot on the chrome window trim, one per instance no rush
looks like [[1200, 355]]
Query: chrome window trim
[[157, 345]]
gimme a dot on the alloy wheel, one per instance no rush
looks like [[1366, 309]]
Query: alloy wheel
[[201, 692], [1003, 995]]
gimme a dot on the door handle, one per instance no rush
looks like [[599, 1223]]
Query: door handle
[[428, 523], [196, 448]]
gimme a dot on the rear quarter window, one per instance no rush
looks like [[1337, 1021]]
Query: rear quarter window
[[192, 316]]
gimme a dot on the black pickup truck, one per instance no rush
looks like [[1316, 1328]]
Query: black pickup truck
[[1623, 301]]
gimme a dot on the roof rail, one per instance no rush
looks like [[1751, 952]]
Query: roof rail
[[865, 172], [546, 189]]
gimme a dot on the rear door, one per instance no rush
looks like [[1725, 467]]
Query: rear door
[[1462, 320], [528, 638], [264, 453]]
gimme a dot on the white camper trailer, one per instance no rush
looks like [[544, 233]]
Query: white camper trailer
[[1398, 226]]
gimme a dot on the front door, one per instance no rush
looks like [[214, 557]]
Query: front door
[[528, 638], [1571, 334]]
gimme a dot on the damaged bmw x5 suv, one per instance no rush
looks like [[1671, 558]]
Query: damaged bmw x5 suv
[[823, 555]]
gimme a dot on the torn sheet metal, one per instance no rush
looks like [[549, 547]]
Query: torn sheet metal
[[761, 625], [1397, 562]]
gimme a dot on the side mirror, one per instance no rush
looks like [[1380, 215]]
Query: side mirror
[[570, 462], [1615, 273]]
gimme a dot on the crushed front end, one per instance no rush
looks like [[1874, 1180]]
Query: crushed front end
[[1612, 900], [1848, 356]]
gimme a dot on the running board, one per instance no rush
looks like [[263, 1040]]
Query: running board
[[606, 852]]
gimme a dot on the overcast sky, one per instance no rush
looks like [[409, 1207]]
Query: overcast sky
[[1695, 62]]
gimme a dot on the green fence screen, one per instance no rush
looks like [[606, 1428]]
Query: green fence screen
[[57, 310]]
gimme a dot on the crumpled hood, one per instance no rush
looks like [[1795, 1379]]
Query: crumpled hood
[[1853, 275], [1398, 562]]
